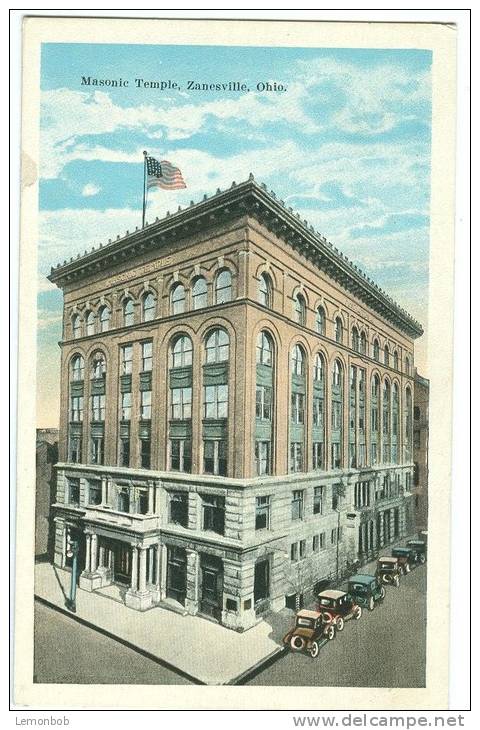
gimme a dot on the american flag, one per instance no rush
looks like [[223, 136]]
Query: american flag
[[163, 175]]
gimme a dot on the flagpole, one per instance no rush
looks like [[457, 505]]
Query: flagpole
[[145, 153]]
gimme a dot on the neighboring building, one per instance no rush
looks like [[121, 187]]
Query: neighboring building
[[236, 410], [46, 458], [421, 394]]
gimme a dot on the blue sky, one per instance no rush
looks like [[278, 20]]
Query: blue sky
[[347, 144]]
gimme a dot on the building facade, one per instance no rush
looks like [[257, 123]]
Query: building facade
[[421, 395], [45, 489], [236, 411]]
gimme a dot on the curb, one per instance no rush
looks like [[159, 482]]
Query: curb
[[120, 640], [258, 667]]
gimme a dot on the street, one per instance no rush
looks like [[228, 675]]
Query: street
[[69, 653], [385, 648]]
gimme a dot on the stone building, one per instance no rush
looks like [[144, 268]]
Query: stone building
[[421, 394], [236, 411], [45, 489]]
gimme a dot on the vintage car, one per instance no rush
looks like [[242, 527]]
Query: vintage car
[[405, 557], [309, 633], [337, 607], [366, 590], [388, 570], [419, 548]]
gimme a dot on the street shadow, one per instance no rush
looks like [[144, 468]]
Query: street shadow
[[280, 622], [59, 582]]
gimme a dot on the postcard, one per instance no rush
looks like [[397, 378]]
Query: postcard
[[235, 241]]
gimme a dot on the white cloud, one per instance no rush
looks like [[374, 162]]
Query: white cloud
[[90, 189]]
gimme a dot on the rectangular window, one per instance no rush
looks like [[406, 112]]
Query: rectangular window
[[75, 449], [178, 513], [97, 450], [95, 492], [145, 453], [263, 403], [262, 513], [181, 408], [181, 455], [296, 456], [316, 543], [294, 552], [213, 513], [215, 401], [362, 455], [318, 500], [333, 536], [76, 408], [126, 360], [374, 454], [297, 504], [262, 457], [318, 455], [352, 455], [298, 408], [124, 452], [73, 494], [336, 415], [126, 408], [375, 419], [322, 540], [318, 412], [98, 407], [302, 549], [145, 405], [215, 457], [147, 356], [142, 502], [336, 456]]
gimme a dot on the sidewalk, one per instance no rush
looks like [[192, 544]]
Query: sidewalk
[[201, 650], [204, 651]]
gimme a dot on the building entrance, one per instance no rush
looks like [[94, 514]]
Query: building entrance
[[176, 573], [122, 563], [211, 586]]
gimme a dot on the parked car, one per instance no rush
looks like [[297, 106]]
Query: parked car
[[405, 557], [337, 607], [388, 570], [366, 590], [419, 548], [309, 633]]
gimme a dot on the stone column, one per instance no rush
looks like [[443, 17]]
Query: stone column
[[142, 579], [138, 597], [150, 509], [94, 553], [88, 557], [191, 600], [134, 578], [104, 491], [151, 560]]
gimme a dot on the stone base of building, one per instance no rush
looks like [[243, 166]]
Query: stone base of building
[[138, 601]]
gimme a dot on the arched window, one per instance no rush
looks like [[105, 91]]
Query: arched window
[[182, 350], [148, 307], [320, 320], [99, 367], [199, 293], [386, 421], [76, 326], [90, 323], [265, 290], [223, 287], [395, 423], [407, 365], [375, 386], [128, 316], [386, 355], [318, 368], [217, 346], [338, 330], [363, 343], [337, 374], [78, 367], [395, 360], [177, 299], [355, 340], [376, 350], [298, 361], [408, 424], [299, 309], [104, 316], [264, 349]]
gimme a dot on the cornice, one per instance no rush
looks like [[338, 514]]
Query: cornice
[[251, 199]]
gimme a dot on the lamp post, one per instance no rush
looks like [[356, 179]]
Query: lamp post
[[72, 552]]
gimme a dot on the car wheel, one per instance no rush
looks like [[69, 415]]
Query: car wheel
[[314, 650], [407, 568], [371, 604], [330, 633], [386, 579], [382, 593], [422, 559], [396, 581], [339, 623], [358, 612], [297, 643]]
